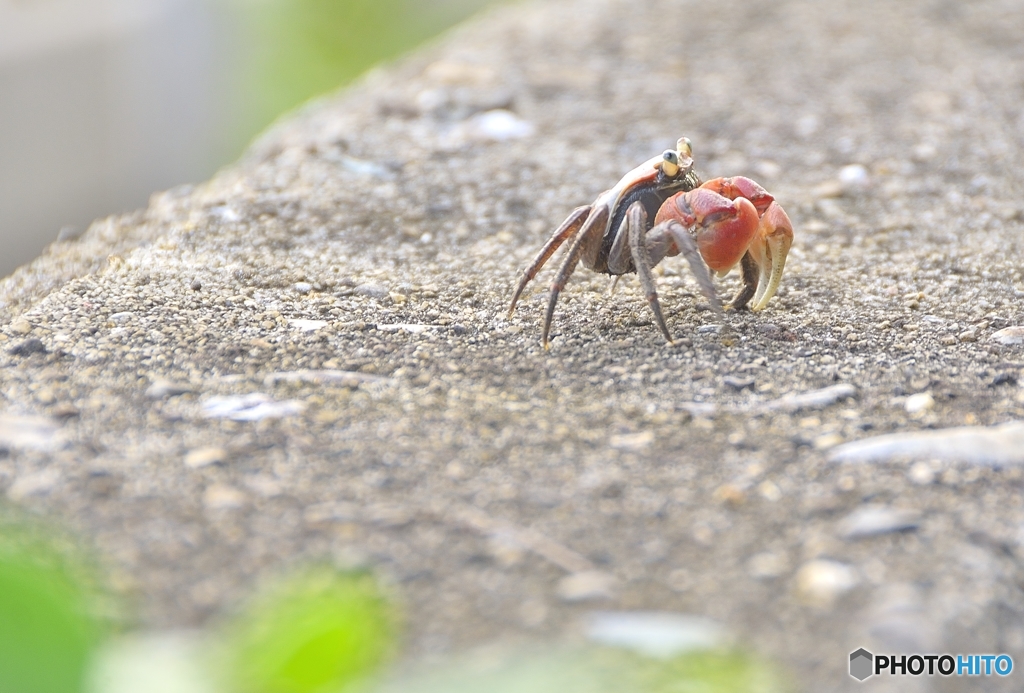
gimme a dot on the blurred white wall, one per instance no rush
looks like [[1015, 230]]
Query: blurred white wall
[[101, 103]]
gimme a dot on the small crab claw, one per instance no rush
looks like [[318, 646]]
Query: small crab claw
[[769, 250], [739, 186], [724, 227]]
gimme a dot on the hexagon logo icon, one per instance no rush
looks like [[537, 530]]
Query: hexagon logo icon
[[861, 664]]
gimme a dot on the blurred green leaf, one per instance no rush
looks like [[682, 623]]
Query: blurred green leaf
[[731, 671], [316, 632], [293, 50], [592, 670], [47, 633]]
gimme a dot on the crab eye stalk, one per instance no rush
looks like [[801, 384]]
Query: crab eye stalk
[[670, 163], [684, 148]]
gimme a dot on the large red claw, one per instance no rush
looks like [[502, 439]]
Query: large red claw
[[740, 186], [769, 249], [724, 227]]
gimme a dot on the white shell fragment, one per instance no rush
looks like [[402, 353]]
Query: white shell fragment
[[498, 125], [252, 407], [854, 178], [29, 433], [921, 402], [304, 325], [655, 633], [631, 442], [1009, 336], [875, 520], [815, 399], [995, 445], [821, 581]]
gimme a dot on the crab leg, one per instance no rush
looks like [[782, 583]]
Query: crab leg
[[636, 220], [724, 228], [567, 230], [685, 244], [592, 230], [750, 272]]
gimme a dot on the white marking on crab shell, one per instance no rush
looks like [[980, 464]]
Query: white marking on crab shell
[[611, 198]]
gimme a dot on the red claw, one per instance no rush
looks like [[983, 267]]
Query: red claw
[[724, 227], [740, 186], [775, 237]]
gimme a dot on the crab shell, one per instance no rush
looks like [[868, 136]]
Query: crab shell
[[636, 185]]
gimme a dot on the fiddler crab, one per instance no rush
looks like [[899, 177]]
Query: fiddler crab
[[715, 225]]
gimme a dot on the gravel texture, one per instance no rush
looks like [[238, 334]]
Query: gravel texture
[[309, 357]]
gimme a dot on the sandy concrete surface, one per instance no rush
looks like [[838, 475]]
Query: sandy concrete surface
[[352, 273]]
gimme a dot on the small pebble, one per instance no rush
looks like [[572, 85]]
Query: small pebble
[[223, 497], [304, 325], [828, 189], [919, 403], [371, 290], [875, 520], [196, 285], [1009, 336], [770, 491], [854, 178], [204, 457], [264, 486], [820, 582], [730, 494], [28, 433], [658, 634], [921, 473], [46, 396], [738, 383], [21, 326], [30, 346], [586, 586], [815, 399], [995, 445], [498, 125], [303, 287], [68, 233], [631, 442], [165, 388], [827, 441], [64, 410], [455, 470], [925, 151], [252, 407], [1003, 379], [767, 565]]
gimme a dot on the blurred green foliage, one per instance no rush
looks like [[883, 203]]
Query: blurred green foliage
[[47, 630], [594, 670], [293, 50], [315, 632], [730, 671]]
